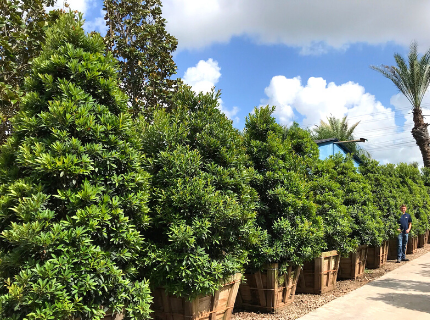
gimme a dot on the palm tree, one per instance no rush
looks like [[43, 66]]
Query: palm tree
[[412, 78], [339, 129], [335, 128]]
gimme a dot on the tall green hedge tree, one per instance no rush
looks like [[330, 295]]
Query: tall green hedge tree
[[414, 194], [202, 205], [286, 214], [326, 193], [73, 194], [367, 224], [387, 191]]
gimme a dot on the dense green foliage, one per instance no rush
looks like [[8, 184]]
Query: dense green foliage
[[415, 196], [393, 186], [138, 39], [367, 226], [202, 205], [293, 233], [94, 199], [73, 194], [329, 195], [22, 32]]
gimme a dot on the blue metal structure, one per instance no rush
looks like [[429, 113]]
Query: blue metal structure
[[328, 147]]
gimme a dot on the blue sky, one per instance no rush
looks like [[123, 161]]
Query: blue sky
[[309, 58]]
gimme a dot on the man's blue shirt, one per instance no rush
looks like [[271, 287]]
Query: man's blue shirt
[[404, 221]]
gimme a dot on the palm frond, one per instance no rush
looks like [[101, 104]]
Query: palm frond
[[411, 77]]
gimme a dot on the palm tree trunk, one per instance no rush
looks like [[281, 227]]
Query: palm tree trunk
[[421, 135]]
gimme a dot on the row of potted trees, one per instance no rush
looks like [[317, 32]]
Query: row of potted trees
[[105, 214]]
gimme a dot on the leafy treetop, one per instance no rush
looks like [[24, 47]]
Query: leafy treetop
[[73, 199], [22, 32], [293, 233], [202, 205], [138, 39]]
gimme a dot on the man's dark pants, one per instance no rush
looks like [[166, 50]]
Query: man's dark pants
[[403, 241]]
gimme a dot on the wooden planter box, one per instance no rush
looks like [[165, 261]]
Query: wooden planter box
[[213, 307], [422, 240], [268, 291], [393, 245], [319, 276], [412, 245], [377, 256], [352, 267]]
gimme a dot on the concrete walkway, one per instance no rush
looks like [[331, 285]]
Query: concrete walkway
[[403, 293]]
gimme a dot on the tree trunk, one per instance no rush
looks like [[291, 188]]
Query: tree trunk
[[421, 135]]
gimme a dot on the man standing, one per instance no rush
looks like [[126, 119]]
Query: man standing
[[405, 225]]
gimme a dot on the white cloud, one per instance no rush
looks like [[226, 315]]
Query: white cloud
[[313, 25], [203, 77], [97, 24], [282, 93], [387, 141], [80, 5]]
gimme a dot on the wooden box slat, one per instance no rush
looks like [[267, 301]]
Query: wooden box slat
[[377, 256], [353, 266], [268, 291], [213, 307], [393, 245], [412, 245], [422, 240], [319, 276]]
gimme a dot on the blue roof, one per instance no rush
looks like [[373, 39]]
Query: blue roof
[[341, 146]]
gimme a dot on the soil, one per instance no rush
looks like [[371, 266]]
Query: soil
[[305, 303]]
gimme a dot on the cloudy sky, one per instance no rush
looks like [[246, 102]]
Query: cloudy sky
[[309, 58]]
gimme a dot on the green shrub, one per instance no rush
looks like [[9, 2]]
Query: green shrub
[[386, 189], [73, 201], [293, 233], [414, 194], [329, 196], [202, 205], [367, 225], [326, 192]]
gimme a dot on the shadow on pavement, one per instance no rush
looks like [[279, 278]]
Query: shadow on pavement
[[416, 302], [402, 285], [425, 270]]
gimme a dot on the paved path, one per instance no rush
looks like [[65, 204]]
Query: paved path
[[401, 294]]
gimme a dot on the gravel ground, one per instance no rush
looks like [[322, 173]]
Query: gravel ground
[[305, 303]]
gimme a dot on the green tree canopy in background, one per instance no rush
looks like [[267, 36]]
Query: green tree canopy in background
[[73, 199], [22, 32], [138, 39]]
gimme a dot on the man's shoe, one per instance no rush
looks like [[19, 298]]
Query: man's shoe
[[406, 259], [398, 261]]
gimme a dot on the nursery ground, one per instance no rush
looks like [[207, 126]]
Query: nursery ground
[[305, 303]]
